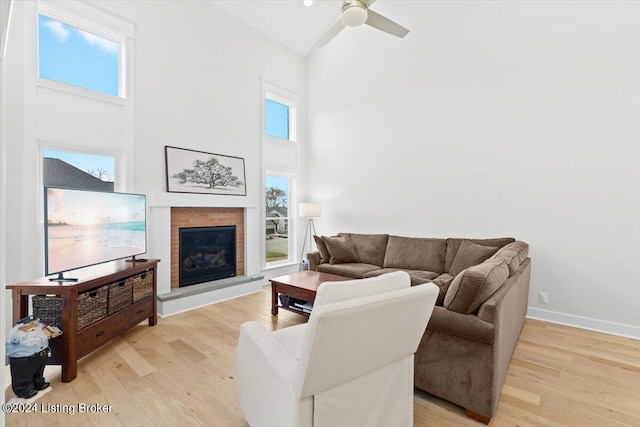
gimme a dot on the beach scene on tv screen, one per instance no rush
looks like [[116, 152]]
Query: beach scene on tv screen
[[85, 228]]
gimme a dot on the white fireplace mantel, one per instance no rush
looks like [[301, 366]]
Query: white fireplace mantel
[[159, 239], [191, 200]]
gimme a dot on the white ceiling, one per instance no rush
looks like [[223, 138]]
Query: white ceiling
[[289, 22]]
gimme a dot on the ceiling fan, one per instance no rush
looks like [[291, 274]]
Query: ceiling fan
[[355, 13]]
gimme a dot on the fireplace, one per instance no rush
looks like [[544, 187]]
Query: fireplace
[[206, 254]]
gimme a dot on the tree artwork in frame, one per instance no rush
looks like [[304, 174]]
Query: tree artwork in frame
[[191, 171]]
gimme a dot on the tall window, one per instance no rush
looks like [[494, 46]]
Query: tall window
[[280, 168], [77, 57], [277, 221]]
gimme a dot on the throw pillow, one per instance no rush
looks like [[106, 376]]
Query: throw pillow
[[474, 285], [340, 249], [470, 254], [322, 248]]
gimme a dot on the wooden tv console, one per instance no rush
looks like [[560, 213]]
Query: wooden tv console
[[74, 343]]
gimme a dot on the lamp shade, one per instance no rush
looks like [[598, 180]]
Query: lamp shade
[[309, 210]]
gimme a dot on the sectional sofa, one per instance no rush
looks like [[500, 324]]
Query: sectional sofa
[[484, 285]]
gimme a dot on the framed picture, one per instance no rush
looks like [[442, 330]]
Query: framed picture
[[191, 171]]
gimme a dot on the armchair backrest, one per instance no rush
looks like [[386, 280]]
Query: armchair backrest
[[347, 339], [331, 292]]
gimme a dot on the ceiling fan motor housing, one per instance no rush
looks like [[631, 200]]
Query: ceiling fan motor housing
[[354, 13]]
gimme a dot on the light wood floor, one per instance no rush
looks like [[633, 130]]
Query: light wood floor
[[181, 372]]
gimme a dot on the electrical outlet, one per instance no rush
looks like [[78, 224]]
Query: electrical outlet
[[544, 298]]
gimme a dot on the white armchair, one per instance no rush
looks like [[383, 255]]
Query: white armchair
[[350, 365]]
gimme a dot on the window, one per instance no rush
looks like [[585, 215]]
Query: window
[[77, 57], [78, 170], [280, 115], [280, 171], [277, 119], [277, 218]]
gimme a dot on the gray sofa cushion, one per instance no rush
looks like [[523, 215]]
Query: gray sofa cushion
[[513, 254], [413, 253], [474, 285], [470, 254], [353, 270], [370, 248], [340, 249], [454, 244]]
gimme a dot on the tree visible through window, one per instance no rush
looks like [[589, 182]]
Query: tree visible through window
[[277, 226], [76, 57]]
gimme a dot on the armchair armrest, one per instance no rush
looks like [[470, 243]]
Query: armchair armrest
[[265, 372], [261, 344]]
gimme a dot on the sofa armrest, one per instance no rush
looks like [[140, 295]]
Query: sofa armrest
[[314, 260], [467, 326], [488, 311]]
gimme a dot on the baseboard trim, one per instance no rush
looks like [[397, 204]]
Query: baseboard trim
[[587, 323]]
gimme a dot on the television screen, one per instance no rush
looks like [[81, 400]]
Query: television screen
[[84, 227]]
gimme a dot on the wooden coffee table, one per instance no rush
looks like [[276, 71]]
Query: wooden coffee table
[[302, 285]]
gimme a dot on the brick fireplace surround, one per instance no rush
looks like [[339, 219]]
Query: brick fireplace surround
[[205, 217]]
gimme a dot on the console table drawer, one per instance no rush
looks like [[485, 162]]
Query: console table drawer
[[94, 336]]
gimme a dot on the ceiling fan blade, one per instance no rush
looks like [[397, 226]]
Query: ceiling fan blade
[[368, 3], [385, 24], [331, 33]]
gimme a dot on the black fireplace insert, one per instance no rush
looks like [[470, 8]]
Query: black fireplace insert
[[206, 254]]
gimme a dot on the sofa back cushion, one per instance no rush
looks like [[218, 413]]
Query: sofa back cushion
[[474, 285], [513, 254], [454, 244], [370, 248], [414, 253], [470, 254], [340, 249]]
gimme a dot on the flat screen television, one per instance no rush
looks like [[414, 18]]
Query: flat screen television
[[84, 228]]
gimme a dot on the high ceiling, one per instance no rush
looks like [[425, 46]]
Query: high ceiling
[[289, 22]]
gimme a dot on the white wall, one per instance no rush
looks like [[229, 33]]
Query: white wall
[[492, 119], [198, 86], [5, 13], [198, 74]]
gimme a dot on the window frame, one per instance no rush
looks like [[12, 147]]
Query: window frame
[[116, 155], [293, 117], [276, 167], [289, 218], [88, 26]]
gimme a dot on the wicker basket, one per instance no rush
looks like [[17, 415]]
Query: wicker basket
[[142, 285], [120, 296], [47, 308], [92, 306]]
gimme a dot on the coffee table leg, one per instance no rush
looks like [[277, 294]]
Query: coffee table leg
[[274, 300]]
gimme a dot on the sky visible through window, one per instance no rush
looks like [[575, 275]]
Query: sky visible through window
[[76, 57], [86, 162], [277, 119]]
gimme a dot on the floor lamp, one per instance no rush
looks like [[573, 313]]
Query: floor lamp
[[310, 211]]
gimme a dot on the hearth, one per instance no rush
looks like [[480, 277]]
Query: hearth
[[206, 254]]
